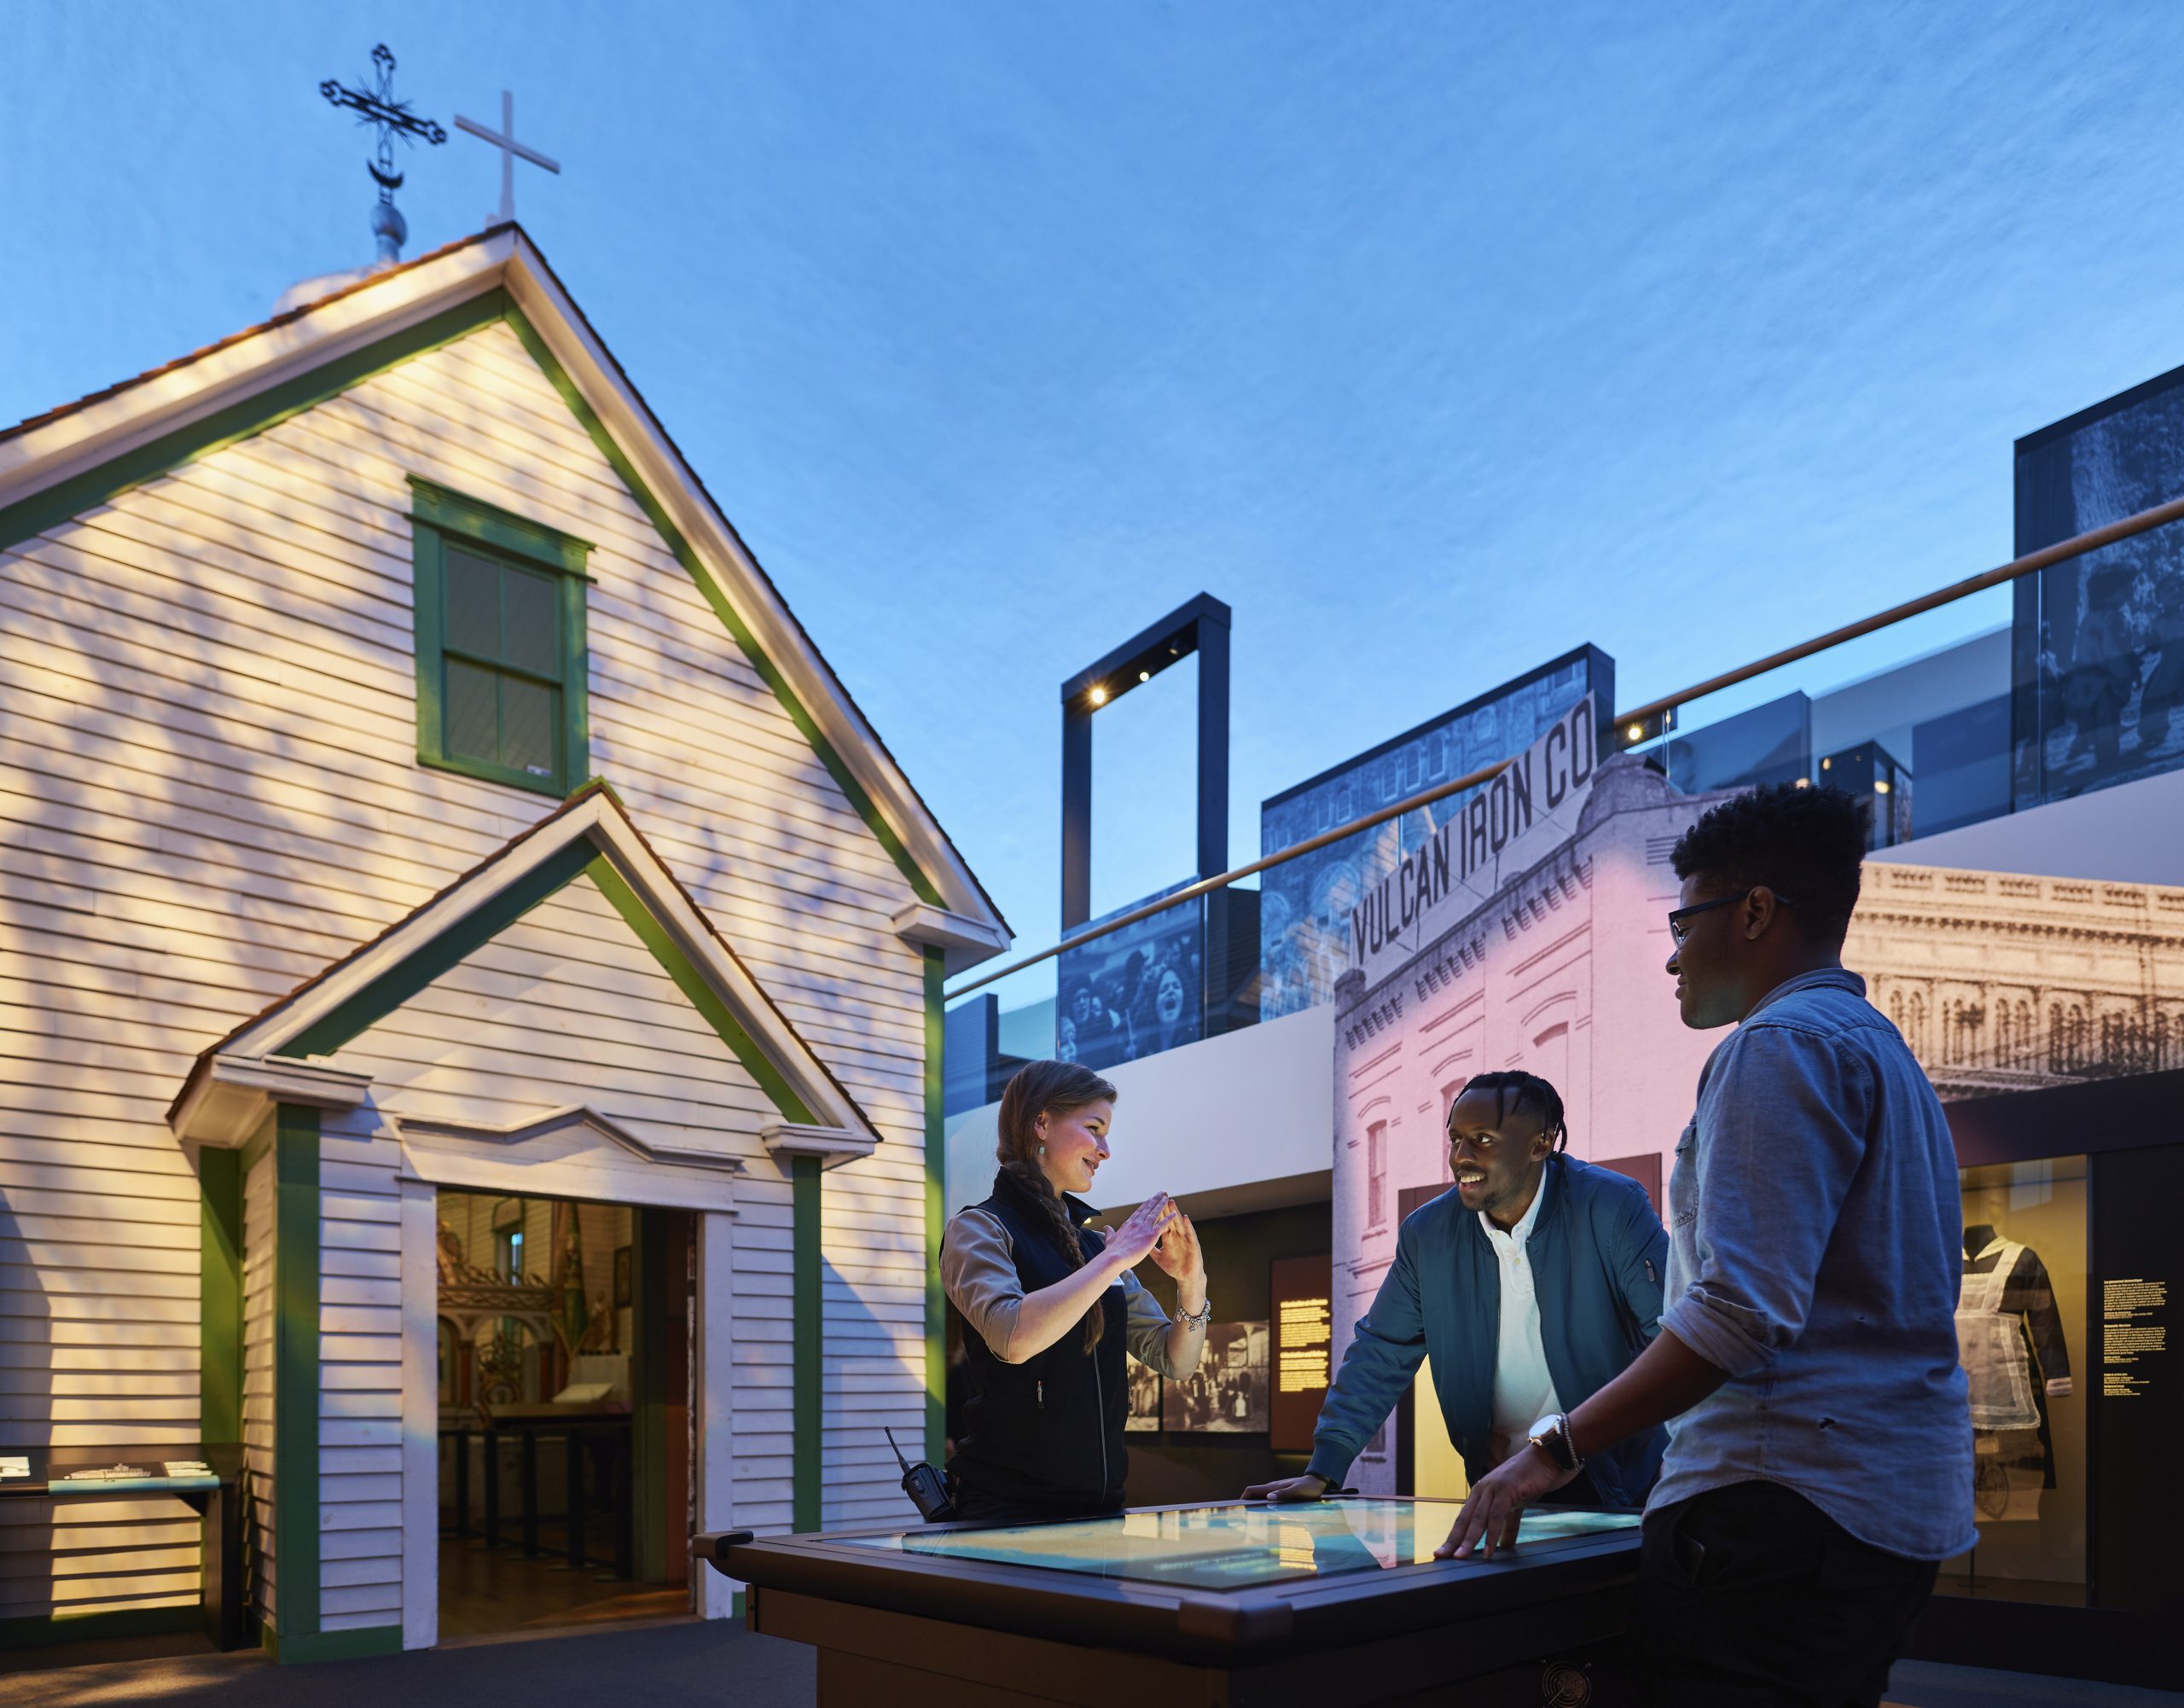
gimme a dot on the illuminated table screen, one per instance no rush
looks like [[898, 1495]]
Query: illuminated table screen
[[1235, 1547]]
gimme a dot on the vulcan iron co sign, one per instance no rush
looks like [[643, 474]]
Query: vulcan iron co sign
[[1512, 824]]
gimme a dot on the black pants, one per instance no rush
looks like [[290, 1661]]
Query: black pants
[[1749, 1596]]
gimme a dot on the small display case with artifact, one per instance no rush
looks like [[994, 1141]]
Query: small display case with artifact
[[2064, 1325], [2023, 1303]]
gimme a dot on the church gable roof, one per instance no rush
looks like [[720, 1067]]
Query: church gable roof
[[75, 457], [271, 1054]]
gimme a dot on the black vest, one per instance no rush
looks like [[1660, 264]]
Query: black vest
[[1048, 1430]]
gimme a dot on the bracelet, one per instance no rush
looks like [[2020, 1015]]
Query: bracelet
[[1199, 1319], [1551, 1435]]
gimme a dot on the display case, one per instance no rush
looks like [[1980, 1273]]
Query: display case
[[2071, 1200], [2020, 1323]]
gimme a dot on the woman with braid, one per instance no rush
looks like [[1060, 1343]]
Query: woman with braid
[[1532, 1282], [1049, 1308]]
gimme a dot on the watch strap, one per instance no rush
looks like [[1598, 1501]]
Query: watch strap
[[1553, 1436]]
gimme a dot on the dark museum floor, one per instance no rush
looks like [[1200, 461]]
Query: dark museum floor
[[491, 1592], [686, 1660]]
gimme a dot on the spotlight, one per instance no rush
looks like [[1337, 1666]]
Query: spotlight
[[1098, 696]]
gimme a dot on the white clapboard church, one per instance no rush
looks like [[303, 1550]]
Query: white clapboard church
[[439, 871]]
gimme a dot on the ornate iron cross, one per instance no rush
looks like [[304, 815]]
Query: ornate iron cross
[[378, 107]]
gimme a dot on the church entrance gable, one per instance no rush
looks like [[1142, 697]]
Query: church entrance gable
[[561, 1026]]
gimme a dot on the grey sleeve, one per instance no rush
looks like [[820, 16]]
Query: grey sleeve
[[1148, 1326], [979, 1273]]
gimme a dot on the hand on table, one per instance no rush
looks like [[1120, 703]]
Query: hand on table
[[1309, 1487], [1496, 1503]]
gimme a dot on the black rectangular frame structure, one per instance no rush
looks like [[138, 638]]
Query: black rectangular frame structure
[[1200, 625]]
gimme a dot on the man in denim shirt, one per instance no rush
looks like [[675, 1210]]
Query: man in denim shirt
[[1820, 1456]]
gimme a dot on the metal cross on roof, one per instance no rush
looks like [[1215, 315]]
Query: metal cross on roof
[[504, 140], [394, 117]]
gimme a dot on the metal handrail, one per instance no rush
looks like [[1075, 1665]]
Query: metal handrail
[[2047, 556]]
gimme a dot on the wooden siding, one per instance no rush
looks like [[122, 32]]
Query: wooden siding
[[208, 790], [360, 1375], [258, 1283]]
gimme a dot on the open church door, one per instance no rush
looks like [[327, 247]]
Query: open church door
[[564, 1431]]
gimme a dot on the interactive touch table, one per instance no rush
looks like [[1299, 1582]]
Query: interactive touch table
[[1331, 1605]]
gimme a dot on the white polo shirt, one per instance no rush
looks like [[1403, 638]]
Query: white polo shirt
[[1524, 1392]]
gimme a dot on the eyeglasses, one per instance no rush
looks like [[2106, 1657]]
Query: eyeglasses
[[1678, 926]]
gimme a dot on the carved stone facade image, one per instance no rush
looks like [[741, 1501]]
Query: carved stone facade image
[[2003, 983]]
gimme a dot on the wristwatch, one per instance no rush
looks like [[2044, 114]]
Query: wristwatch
[[1552, 1432], [1200, 1318]]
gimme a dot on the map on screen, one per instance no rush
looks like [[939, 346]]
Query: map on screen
[[1236, 1547]]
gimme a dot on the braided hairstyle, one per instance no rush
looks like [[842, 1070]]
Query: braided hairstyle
[[1514, 1088], [1048, 1088]]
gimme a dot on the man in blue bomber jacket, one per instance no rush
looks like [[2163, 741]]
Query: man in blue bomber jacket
[[1531, 1283]]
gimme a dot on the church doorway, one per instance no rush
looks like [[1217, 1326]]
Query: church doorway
[[564, 1360]]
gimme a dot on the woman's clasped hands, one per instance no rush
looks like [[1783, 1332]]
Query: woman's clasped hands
[[1129, 1245]]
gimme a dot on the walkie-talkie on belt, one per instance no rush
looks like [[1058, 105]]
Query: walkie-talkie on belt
[[923, 1485]]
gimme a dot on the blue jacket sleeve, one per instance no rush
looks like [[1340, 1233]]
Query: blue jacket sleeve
[[1379, 1363], [1641, 1245]]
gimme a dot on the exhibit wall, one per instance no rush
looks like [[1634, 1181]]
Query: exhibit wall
[[1214, 1438], [2002, 981], [1999, 982], [1305, 903], [1559, 971], [2098, 639], [1137, 992]]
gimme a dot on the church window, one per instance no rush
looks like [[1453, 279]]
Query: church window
[[500, 639]]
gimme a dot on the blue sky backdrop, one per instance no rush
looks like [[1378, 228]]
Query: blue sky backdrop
[[1434, 338]]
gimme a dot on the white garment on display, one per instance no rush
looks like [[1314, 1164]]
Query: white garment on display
[[1992, 1346]]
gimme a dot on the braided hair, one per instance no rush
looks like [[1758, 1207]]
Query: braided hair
[[1514, 1088], [1048, 1088]]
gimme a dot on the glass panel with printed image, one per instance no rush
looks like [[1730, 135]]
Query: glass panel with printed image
[[2020, 1328]]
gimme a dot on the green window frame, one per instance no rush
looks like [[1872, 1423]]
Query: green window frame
[[502, 654]]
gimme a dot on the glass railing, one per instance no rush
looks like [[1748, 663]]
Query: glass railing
[[1915, 719]]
